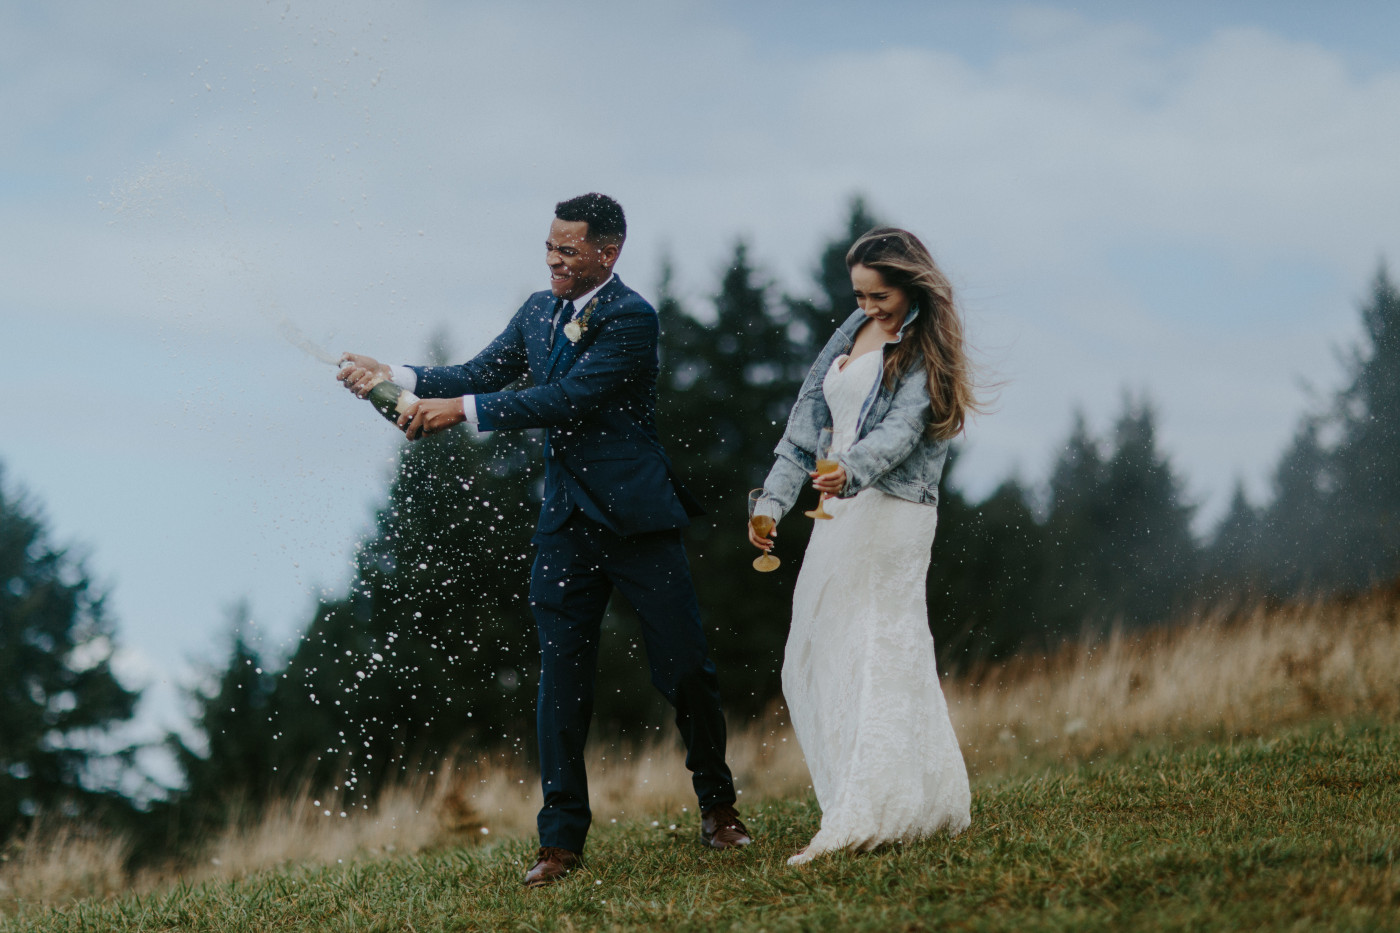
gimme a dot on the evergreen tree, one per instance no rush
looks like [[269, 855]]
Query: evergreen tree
[[725, 391], [1075, 527], [58, 694], [813, 319], [238, 766], [984, 576], [1120, 543], [434, 648], [1296, 522], [1234, 558], [1149, 554], [1365, 542], [1334, 521]]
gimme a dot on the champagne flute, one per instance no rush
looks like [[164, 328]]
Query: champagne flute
[[762, 526], [825, 464]]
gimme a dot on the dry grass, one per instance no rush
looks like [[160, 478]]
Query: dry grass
[[58, 862], [408, 818], [1218, 676], [1214, 677]]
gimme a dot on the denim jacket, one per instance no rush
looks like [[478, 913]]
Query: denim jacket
[[893, 450]]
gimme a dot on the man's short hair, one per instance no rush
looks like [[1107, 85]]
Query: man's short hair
[[602, 214]]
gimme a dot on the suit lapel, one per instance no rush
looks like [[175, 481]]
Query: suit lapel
[[562, 345], [541, 353], [566, 351]]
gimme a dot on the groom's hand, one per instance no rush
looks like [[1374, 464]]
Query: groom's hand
[[361, 373], [431, 415]]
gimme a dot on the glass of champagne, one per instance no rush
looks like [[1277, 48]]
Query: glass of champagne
[[825, 464], [762, 526]]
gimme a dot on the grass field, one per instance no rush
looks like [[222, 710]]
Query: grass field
[[1293, 831], [1235, 772]]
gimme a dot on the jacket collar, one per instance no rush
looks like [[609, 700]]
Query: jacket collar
[[562, 354], [858, 318], [582, 301]]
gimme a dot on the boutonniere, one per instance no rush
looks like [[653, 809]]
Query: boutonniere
[[574, 330]]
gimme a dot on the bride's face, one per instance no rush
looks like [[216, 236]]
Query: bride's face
[[885, 304]]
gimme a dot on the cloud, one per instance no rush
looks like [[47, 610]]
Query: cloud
[[1119, 207]]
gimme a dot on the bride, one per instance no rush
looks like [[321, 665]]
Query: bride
[[894, 385]]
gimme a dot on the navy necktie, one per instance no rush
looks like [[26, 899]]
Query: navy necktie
[[566, 314]]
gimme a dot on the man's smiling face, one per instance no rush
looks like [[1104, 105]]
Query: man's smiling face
[[577, 265]]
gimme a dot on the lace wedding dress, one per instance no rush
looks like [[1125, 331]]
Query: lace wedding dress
[[858, 671]]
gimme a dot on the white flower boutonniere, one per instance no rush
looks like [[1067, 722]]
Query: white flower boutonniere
[[574, 330]]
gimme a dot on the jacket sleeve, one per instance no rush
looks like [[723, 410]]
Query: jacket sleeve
[[893, 439], [622, 351], [795, 460], [791, 471], [494, 368]]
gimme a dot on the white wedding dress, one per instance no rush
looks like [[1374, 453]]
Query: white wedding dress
[[858, 672]]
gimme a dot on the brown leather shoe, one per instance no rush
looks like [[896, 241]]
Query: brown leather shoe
[[721, 828], [551, 864]]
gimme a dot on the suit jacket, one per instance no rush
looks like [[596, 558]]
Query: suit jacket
[[597, 401]]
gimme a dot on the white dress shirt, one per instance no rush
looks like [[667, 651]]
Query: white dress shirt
[[403, 376]]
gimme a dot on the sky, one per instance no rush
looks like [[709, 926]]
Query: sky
[[1186, 201]]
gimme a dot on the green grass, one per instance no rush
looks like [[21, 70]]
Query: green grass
[[1295, 832]]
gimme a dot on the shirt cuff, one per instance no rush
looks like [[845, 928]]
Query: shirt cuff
[[404, 377], [469, 408]]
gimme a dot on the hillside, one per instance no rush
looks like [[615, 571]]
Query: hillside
[[1263, 834]]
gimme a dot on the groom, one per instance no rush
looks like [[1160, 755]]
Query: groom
[[612, 512]]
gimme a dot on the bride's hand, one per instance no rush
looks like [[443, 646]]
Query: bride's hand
[[831, 483], [763, 544]]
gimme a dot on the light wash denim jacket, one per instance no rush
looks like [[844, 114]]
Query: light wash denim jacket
[[893, 450]]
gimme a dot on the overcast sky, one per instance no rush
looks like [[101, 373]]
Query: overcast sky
[[1186, 200]]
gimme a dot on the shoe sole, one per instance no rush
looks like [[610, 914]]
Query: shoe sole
[[545, 882], [709, 842]]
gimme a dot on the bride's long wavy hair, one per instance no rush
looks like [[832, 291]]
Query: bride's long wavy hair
[[935, 336]]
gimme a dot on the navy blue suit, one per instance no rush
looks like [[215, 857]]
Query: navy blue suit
[[611, 517]]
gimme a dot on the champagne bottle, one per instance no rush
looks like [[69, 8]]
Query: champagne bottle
[[390, 399]]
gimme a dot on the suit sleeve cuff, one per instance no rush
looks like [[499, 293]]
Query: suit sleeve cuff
[[405, 377]]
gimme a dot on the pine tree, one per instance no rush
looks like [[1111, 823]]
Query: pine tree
[[1334, 521], [433, 649], [1234, 559], [58, 693], [984, 575], [1298, 519], [725, 391], [237, 767], [1365, 541], [1074, 532], [1119, 535], [813, 319], [1149, 555]]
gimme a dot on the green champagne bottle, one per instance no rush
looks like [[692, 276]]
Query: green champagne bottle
[[390, 399]]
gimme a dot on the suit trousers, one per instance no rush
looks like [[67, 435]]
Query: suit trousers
[[575, 571]]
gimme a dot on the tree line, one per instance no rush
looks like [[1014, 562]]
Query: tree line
[[431, 649]]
